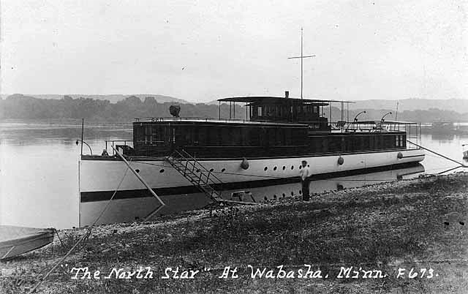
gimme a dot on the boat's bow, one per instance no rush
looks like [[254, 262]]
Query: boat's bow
[[18, 240]]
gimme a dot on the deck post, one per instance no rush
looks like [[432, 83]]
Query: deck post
[[82, 135]]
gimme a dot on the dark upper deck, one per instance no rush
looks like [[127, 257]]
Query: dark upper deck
[[274, 127], [283, 109]]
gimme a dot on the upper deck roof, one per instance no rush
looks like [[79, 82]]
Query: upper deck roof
[[386, 122], [212, 121], [279, 100]]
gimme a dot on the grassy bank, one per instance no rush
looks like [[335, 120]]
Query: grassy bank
[[383, 234]]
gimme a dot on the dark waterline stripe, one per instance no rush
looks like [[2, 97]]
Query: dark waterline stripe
[[141, 193]]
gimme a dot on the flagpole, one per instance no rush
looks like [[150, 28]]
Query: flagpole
[[302, 61]]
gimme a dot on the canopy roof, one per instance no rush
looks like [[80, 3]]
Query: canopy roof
[[387, 122], [278, 100]]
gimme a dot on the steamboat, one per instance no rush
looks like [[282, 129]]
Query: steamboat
[[179, 155]]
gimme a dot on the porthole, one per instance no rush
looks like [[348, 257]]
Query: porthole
[[292, 193], [137, 170], [161, 171], [292, 167], [284, 195], [265, 169], [300, 192], [275, 168], [284, 167], [223, 170], [211, 170], [300, 166]]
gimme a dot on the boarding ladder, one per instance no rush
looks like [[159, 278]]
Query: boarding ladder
[[202, 178]]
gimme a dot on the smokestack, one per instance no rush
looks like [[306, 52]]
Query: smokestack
[[286, 94]]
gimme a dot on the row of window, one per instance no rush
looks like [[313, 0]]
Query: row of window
[[282, 139], [223, 170], [284, 111], [158, 135], [356, 143]]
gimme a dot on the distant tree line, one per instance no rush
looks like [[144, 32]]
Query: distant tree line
[[25, 107]]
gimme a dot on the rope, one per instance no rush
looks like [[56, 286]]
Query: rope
[[436, 153], [58, 236], [83, 238]]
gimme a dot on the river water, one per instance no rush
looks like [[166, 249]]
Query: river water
[[39, 171]]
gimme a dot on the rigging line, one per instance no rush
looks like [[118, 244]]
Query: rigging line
[[83, 238], [143, 182], [113, 195], [450, 169], [441, 155]]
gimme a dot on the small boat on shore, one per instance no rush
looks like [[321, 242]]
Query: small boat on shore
[[15, 241]]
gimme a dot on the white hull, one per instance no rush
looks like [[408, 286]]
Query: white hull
[[105, 175], [125, 210]]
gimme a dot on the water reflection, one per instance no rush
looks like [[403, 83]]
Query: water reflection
[[125, 210]]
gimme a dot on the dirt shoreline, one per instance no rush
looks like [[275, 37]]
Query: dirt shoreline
[[407, 236]]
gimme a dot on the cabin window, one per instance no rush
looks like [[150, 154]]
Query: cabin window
[[280, 137], [254, 136], [151, 135], [399, 141], [245, 135], [236, 137], [271, 136], [179, 135], [195, 136], [270, 111], [202, 136], [389, 142], [188, 134], [226, 137], [213, 136], [324, 145], [366, 143], [288, 136], [333, 145]]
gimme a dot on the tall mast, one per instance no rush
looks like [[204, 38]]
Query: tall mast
[[302, 61]]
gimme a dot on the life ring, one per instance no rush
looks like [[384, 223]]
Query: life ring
[[245, 163], [340, 160]]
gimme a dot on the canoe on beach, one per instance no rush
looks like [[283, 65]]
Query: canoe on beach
[[15, 241]]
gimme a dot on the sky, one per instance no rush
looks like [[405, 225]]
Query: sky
[[204, 50]]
